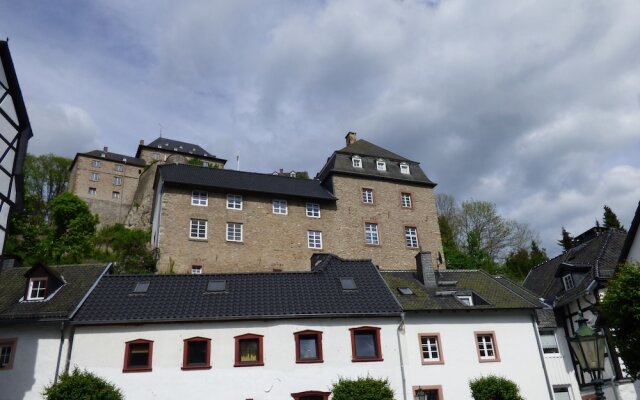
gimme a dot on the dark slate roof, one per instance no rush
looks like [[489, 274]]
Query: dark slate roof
[[340, 163], [546, 318], [178, 147], [489, 292], [317, 293], [631, 236], [115, 157], [240, 181], [78, 280], [593, 259]]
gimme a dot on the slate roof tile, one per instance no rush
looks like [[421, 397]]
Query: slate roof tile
[[177, 146], [115, 157]]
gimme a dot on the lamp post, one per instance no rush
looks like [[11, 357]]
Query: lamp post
[[588, 346]]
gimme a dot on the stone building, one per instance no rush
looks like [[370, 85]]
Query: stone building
[[366, 202]]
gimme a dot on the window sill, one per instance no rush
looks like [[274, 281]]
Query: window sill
[[137, 370], [195, 368], [434, 362], [489, 360], [309, 361], [367, 359], [198, 240], [260, 364], [235, 241]]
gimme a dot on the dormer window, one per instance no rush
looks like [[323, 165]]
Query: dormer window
[[467, 300], [37, 289], [567, 280], [357, 162], [404, 168], [381, 165]]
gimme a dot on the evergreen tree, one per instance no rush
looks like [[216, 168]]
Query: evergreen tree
[[567, 240], [610, 219]]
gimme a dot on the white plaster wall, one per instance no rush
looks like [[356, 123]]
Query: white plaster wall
[[559, 366], [101, 349], [520, 360], [634, 251], [34, 362]]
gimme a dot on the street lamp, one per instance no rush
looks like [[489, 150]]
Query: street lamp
[[421, 394], [588, 346]]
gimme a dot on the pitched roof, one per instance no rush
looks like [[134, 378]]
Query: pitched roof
[[340, 162], [78, 280], [631, 236], [252, 182], [178, 147], [317, 293], [489, 292], [594, 259], [115, 157]]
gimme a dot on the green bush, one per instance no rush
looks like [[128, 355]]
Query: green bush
[[82, 385], [493, 387], [361, 389]]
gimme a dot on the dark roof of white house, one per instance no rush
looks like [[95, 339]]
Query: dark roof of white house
[[240, 181]]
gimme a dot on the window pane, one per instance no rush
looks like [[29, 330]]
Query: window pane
[[5, 356], [308, 347], [366, 344], [249, 350], [138, 355], [197, 352]]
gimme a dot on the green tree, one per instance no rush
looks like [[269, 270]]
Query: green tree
[[362, 389], [492, 387], [620, 310], [128, 247], [82, 385], [610, 219], [566, 242], [518, 264], [73, 231], [46, 176]]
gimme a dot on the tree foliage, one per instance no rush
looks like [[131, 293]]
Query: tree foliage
[[46, 176], [566, 242], [82, 385], [492, 387], [518, 264], [621, 313], [362, 389], [610, 219], [128, 247]]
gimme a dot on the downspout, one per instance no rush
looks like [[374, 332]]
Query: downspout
[[404, 380], [536, 332], [55, 377]]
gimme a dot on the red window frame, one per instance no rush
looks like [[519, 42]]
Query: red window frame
[[376, 339], [309, 393], [249, 336], [11, 343], [185, 353], [437, 388], [318, 336], [429, 361], [148, 368], [494, 343]]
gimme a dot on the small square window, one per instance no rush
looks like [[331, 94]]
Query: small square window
[[365, 344], [430, 348], [487, 347], [94, 176], [217, 285], [429, 392], [196, 269], [549, 342], [95, 163], [234, 202], [37, 289], [465, 299], [205, 164], [308, 346], [348, 284], [356, 162], [117, 180], [313, 210], [115, 195], [198, 229], [367, 196], [280, 207], [93, 191], [199, 198], [196, 353], [406, 200], [314, 239], [138, 355], [381, 165], [404, 168], [7, 352], [119, 167], [234, 232], [371, 234], [249, 350], [411, 236], [561, 393], [567, 280], [155, 156]]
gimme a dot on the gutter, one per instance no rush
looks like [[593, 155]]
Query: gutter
[[536, 332], [402, 373]]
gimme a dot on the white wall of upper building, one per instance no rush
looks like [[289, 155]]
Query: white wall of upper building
[[34, 361], [101, 349], [634, 250], [515, 340], [559, 365]]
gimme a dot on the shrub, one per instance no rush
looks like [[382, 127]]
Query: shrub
[[362, 389], [493, 387], [82, 385]]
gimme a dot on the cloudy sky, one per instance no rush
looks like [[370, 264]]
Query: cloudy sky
[[533, 105]]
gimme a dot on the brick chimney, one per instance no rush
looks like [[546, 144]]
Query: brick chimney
[[351, 138], [141, 142], [106, 149], [426, 273]]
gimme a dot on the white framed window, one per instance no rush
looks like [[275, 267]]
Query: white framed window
[[196, 269], [117, 180], [549, 342], [37, 289], [561, 393], [487, 348], [280, 207], [94, 176], [567, 280], [198, 229], [404, 168], [314, 239], [205, 164], [234, 201], [155, 156], [356, 162], [381, 165], [199, 198], [115, 195], [367, 196], [371, 234], [119, 167], [234, 232], [405, 199], [95, 163], [313, 210], [411, 236], [430, 348], [465, 299], [93, 191]]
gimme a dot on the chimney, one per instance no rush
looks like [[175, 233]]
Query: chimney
[[106, 149], [351, 138], [426, 273], [141, 142]]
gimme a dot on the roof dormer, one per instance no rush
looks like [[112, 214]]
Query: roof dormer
[[41, 283]]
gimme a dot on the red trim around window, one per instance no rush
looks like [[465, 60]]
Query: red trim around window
[[376, 335], [11, 342], [428, 361], [430, 387], [300, 395], [496, 353], [318, 336], [147, 368], [249, 336], [185, 353]]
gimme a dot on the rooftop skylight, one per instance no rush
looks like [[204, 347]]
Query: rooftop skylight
[[216, 286], [348, 283], [405, 291], [141, 287]]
